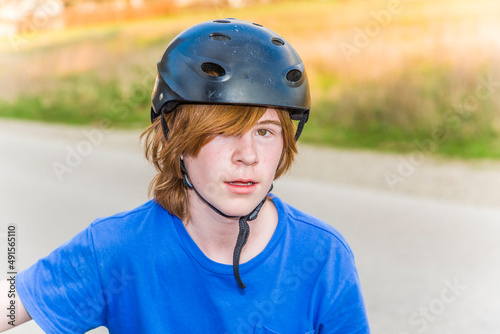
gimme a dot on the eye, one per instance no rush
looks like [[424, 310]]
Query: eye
[[263, 132]]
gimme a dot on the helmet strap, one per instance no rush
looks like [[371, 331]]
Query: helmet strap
[[164, 125], [302, 121], [244, 228]]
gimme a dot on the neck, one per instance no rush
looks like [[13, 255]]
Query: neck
[[216, 235]]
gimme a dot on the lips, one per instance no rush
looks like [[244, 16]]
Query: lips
[[242, 186], [241, 183]]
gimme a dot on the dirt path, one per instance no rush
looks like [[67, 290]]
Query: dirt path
[[468, 182]]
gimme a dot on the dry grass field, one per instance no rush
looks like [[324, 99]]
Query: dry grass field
[[389, 75]]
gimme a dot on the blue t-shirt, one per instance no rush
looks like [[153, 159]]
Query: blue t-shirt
[[140, 272]]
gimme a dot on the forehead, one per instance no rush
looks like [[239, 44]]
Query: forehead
[[270, 115]]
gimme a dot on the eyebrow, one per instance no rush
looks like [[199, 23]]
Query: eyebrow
[[269, 121]]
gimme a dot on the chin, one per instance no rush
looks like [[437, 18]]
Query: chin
[[239, 208]]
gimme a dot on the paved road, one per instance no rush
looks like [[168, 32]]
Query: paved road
[[427, 264]]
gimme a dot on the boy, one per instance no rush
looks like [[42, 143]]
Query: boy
[[223, 254]]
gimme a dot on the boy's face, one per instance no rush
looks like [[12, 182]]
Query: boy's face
[[234, 173]]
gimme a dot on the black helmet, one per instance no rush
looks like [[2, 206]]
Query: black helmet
[[231, 62]]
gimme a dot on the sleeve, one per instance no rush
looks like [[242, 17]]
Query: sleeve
[[348, 314], [62, 292]]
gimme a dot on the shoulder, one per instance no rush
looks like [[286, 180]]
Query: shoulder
[[139, 211], [129, 227], [322, 255], [145, 212], [310, 228]]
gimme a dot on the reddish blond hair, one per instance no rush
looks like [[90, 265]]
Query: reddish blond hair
[[191, 126]]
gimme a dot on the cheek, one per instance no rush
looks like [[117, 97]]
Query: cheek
[[273, 159], [212, 165], [278, 153]]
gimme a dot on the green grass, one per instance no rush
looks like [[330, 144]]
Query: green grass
[[409, 108], [85, 99]]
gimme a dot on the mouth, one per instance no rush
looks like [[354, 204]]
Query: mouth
[[242, 187], [242, 183]]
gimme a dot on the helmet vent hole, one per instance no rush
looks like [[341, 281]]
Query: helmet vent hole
[[277, 41], [258, 25], [217, 36], [213, 69], [294, 75], [222, 21]]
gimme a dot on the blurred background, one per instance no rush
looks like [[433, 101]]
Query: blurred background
[[386, 75], [401, 152]]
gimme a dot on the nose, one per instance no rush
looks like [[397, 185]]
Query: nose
[[244, 150]]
